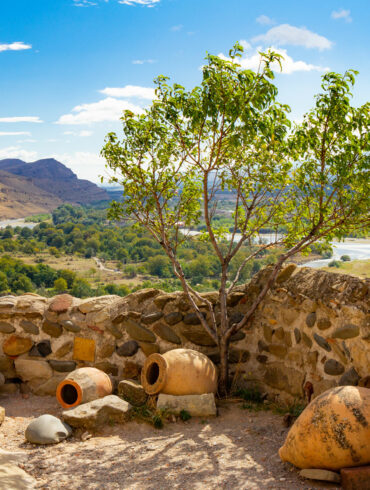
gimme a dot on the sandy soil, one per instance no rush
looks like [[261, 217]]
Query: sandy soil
[[236, 450]]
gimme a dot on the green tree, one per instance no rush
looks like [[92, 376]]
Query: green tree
[[231, 134], [60, 285], [81, 288]]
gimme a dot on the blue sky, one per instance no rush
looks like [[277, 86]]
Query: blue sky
[[69, 67]]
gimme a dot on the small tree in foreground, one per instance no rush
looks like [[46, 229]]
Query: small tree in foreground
[[230, 134]]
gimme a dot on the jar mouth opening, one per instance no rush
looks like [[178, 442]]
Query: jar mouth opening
[[69, 394], [154, 373]]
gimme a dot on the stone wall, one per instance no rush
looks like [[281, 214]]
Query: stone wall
[[311, 332]]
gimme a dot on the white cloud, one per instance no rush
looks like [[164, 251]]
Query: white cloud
[[342, 14], [86, 165], [84, 3], [142, 62], [108, 109], [286, 34], [130, 91], [146, 3], [289, 65], [82, 134], [265, 20], [177, 28], [28, 119], [17, 152], [15, 133], [16, 46]]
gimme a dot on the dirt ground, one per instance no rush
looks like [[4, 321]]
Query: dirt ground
[[236, 450]]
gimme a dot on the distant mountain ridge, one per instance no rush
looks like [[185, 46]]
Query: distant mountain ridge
[[41, 186]]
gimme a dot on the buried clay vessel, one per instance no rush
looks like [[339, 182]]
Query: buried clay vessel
[[83, 385], [179, 372], [332, 432]]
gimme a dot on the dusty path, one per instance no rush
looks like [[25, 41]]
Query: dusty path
[[237, 450]]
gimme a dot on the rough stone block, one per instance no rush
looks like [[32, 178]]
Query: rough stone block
[[61, 303], [62, 366], [128, 349], [138, 332], [197, 405], [52, 329], [6, 327], [166, 333], [132, 392], [173, 318], [28, 369], [357, 478], [30, 327], [346, 332], [148, 348], [2, 415], [91, 415], [151, 318]]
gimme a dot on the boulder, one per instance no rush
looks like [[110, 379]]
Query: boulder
[[132, 392], [105, 410], [28, 369], [47, 429], [196, 405], [332, 432], [12, 477], [96, 304], [61, 303]]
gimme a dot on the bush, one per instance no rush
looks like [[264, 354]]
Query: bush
[[334, 263], [345, 258]]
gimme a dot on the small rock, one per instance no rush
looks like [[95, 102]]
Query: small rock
[[197, 405], [62, 366], [307, 340], [333, 367], [350, 378], [138, 332], [64, 349], [323, 323], [297, 335], [173, 318], [151, 318], [166, 333], [128, 349], [52, 329], [311, 319], [108, 409], [47, 429], [322, 342], [131, 370], [16, 345], [86, 436], [148, 348], [2, 415], [44, 348], [322, 475], [346, 332], [28, 369], [132, 392], [6, 327], [30, 327], [70, 326]]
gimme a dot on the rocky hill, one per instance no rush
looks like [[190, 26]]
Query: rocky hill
[[19, 197], [41, 186]]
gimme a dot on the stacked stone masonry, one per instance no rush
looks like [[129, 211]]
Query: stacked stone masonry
[[312, 332]]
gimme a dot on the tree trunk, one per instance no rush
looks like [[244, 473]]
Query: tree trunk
[[223, 380]]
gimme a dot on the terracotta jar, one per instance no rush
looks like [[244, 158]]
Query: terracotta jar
[[83, 385], [332, 432], [179, 372]]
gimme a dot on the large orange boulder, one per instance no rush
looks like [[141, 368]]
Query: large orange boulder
[[332, 432]]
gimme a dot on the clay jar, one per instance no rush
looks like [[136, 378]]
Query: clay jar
[[83, 385], [332, 432], [179, 372]]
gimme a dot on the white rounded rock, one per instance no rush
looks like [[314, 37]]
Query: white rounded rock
[[47, 429]]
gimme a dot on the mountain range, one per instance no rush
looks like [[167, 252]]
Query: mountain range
[[41, 186]]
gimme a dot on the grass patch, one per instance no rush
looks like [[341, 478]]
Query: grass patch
[[185, 415], [149, 415]]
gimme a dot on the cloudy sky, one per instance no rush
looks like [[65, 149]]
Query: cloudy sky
[[69, 67]]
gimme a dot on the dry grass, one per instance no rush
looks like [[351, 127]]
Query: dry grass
[[86, 268], [358, 268]]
